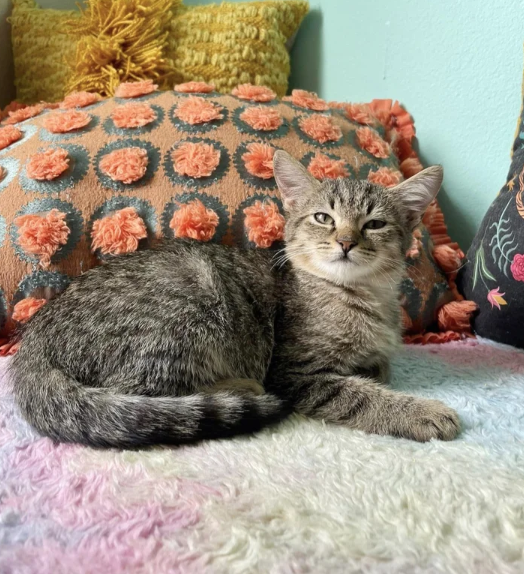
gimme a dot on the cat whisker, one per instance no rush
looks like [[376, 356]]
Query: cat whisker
[[388, 279], [290, 253]]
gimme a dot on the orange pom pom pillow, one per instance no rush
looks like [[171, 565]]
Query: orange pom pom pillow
[[97, 178]]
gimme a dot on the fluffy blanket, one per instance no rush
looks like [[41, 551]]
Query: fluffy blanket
[[298, 498]]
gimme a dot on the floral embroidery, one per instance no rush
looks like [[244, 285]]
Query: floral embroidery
[[503, 243], [518, 198], [517, 267], [480, 269], [496, 299]]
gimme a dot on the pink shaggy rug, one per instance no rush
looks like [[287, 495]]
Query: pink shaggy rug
[[299, 498]]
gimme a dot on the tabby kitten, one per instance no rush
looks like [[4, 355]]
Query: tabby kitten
[[189, 340]]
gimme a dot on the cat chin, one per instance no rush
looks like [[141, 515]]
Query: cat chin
[[347, 273], [342, 271], [350, 273]]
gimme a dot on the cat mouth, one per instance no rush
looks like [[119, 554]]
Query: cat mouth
[[343, 260]]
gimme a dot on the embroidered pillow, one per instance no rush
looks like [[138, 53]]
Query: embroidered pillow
[[97, 178], [494, 274]]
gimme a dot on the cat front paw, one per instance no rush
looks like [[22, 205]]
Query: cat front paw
[[428, 419]]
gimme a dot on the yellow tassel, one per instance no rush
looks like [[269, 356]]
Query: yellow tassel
[[120, 41]]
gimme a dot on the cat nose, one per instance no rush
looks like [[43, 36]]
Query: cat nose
[[347, 245]]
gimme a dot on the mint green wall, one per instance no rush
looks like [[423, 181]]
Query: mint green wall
[[455, 64]]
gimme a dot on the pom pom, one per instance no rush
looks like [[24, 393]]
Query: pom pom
[[11, 107], [262, 118], [411, 166], [370, 140], [323, 167], [416, 245], [385, 176], [195, 110], [360, 113], [63, 122], [195, 159], [48, 164], [26, 308], [456, 316], [320, 128], [447, 258], [9, 135], [264, 223], [259, 160], [79, 100], [195, 221], [133, 115], [23, 114], [254, 93], [42, 235], [118, 233], [135, 89], [126, 165], [195, 88], [308, 100]]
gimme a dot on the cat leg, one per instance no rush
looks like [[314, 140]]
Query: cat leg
[[363, 404], [379, 372], [239, 386]]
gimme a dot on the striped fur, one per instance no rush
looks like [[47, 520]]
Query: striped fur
[[171, 345]]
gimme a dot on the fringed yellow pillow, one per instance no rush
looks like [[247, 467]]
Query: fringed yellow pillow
[[56, 51], [120, 41]]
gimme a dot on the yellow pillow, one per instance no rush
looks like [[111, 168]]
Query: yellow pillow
[[225, 44], [229, 44], [40, 48]]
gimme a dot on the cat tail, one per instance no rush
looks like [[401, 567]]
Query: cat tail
[[64, 410]]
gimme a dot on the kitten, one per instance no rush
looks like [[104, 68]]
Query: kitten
[[189, 340]]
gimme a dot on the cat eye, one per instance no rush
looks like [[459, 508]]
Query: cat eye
[[374, 224], [324, 218]]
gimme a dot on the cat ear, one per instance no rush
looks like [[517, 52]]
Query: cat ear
[[293, 179], [419, 191]]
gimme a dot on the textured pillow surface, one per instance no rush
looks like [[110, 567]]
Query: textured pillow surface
[[94, 178]]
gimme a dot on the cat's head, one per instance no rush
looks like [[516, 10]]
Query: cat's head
[[349, 231]]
